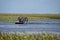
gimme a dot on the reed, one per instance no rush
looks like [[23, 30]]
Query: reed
[[39, 36], [31, 17]]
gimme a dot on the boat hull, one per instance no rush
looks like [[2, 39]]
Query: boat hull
[[19, 23]]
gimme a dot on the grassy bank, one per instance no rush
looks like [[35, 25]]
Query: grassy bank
[[40, 36], [35, 17]]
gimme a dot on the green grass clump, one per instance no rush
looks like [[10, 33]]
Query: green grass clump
[[39, 36]]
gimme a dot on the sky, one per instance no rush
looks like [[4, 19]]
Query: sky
[[30, 6]]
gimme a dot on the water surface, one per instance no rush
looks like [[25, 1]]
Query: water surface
[[31, 26]]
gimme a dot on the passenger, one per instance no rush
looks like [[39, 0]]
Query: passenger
[[22, 19]]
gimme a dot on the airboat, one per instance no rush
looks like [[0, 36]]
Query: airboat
[[21, 20]]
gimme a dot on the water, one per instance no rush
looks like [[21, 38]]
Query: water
[[32, 26]]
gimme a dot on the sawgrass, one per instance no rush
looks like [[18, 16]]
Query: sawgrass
[[39, 36], [31, 17]]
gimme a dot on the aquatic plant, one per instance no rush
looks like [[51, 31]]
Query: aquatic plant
[[25, 36], [33, 17]]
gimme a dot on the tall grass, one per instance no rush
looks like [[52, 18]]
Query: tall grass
[[39, 36], [33, 17]]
